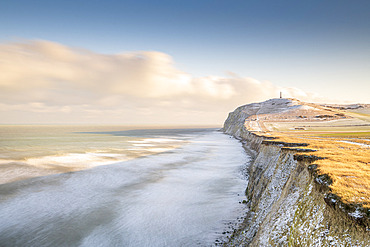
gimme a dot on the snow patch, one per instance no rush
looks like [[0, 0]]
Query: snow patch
[[357, 214]]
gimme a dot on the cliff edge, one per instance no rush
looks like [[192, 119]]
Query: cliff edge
[[288, 203]]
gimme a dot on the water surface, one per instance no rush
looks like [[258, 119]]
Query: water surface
[[183, 194]]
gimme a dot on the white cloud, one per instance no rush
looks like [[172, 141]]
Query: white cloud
[[42, 81]]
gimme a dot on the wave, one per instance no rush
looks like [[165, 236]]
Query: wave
[[178, 198]]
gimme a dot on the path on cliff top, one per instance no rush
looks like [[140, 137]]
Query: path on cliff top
[[255, 124]]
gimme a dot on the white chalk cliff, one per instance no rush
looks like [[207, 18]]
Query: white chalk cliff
[[289, 204]]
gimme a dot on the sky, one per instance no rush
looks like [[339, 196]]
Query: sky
[[176, 62]]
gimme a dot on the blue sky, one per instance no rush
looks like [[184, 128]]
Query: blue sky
[[204, 37], [318, 46]]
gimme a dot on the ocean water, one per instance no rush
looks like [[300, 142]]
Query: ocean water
[[116, 186]]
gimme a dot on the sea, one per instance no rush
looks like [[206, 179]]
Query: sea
[[119, 185]]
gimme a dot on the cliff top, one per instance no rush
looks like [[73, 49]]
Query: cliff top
[[284, 114], [340, 134]]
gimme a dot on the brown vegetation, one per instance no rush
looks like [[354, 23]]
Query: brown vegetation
[[347, 162], [338, 136]]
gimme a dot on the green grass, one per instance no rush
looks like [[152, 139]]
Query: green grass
[[347, 134], [359, 115], [362, 114]]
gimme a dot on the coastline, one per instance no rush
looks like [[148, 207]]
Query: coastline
[[170, 195], [288, 202]]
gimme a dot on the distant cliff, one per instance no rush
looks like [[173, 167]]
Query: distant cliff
[[289, 204]]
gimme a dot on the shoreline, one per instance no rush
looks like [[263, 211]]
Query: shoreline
[[277, 170]]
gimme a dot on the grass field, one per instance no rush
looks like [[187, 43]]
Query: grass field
[[356, 135], [338, 133], [347, 160]]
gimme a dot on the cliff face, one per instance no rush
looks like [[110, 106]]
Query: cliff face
[[288, 205]]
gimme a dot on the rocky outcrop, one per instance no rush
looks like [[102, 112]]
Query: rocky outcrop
[[289, 203]]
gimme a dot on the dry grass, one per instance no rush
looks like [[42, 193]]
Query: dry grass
[[347, 164], [356, 135], [341, 137]]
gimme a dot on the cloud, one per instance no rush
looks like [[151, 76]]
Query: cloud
[[47, 82]]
